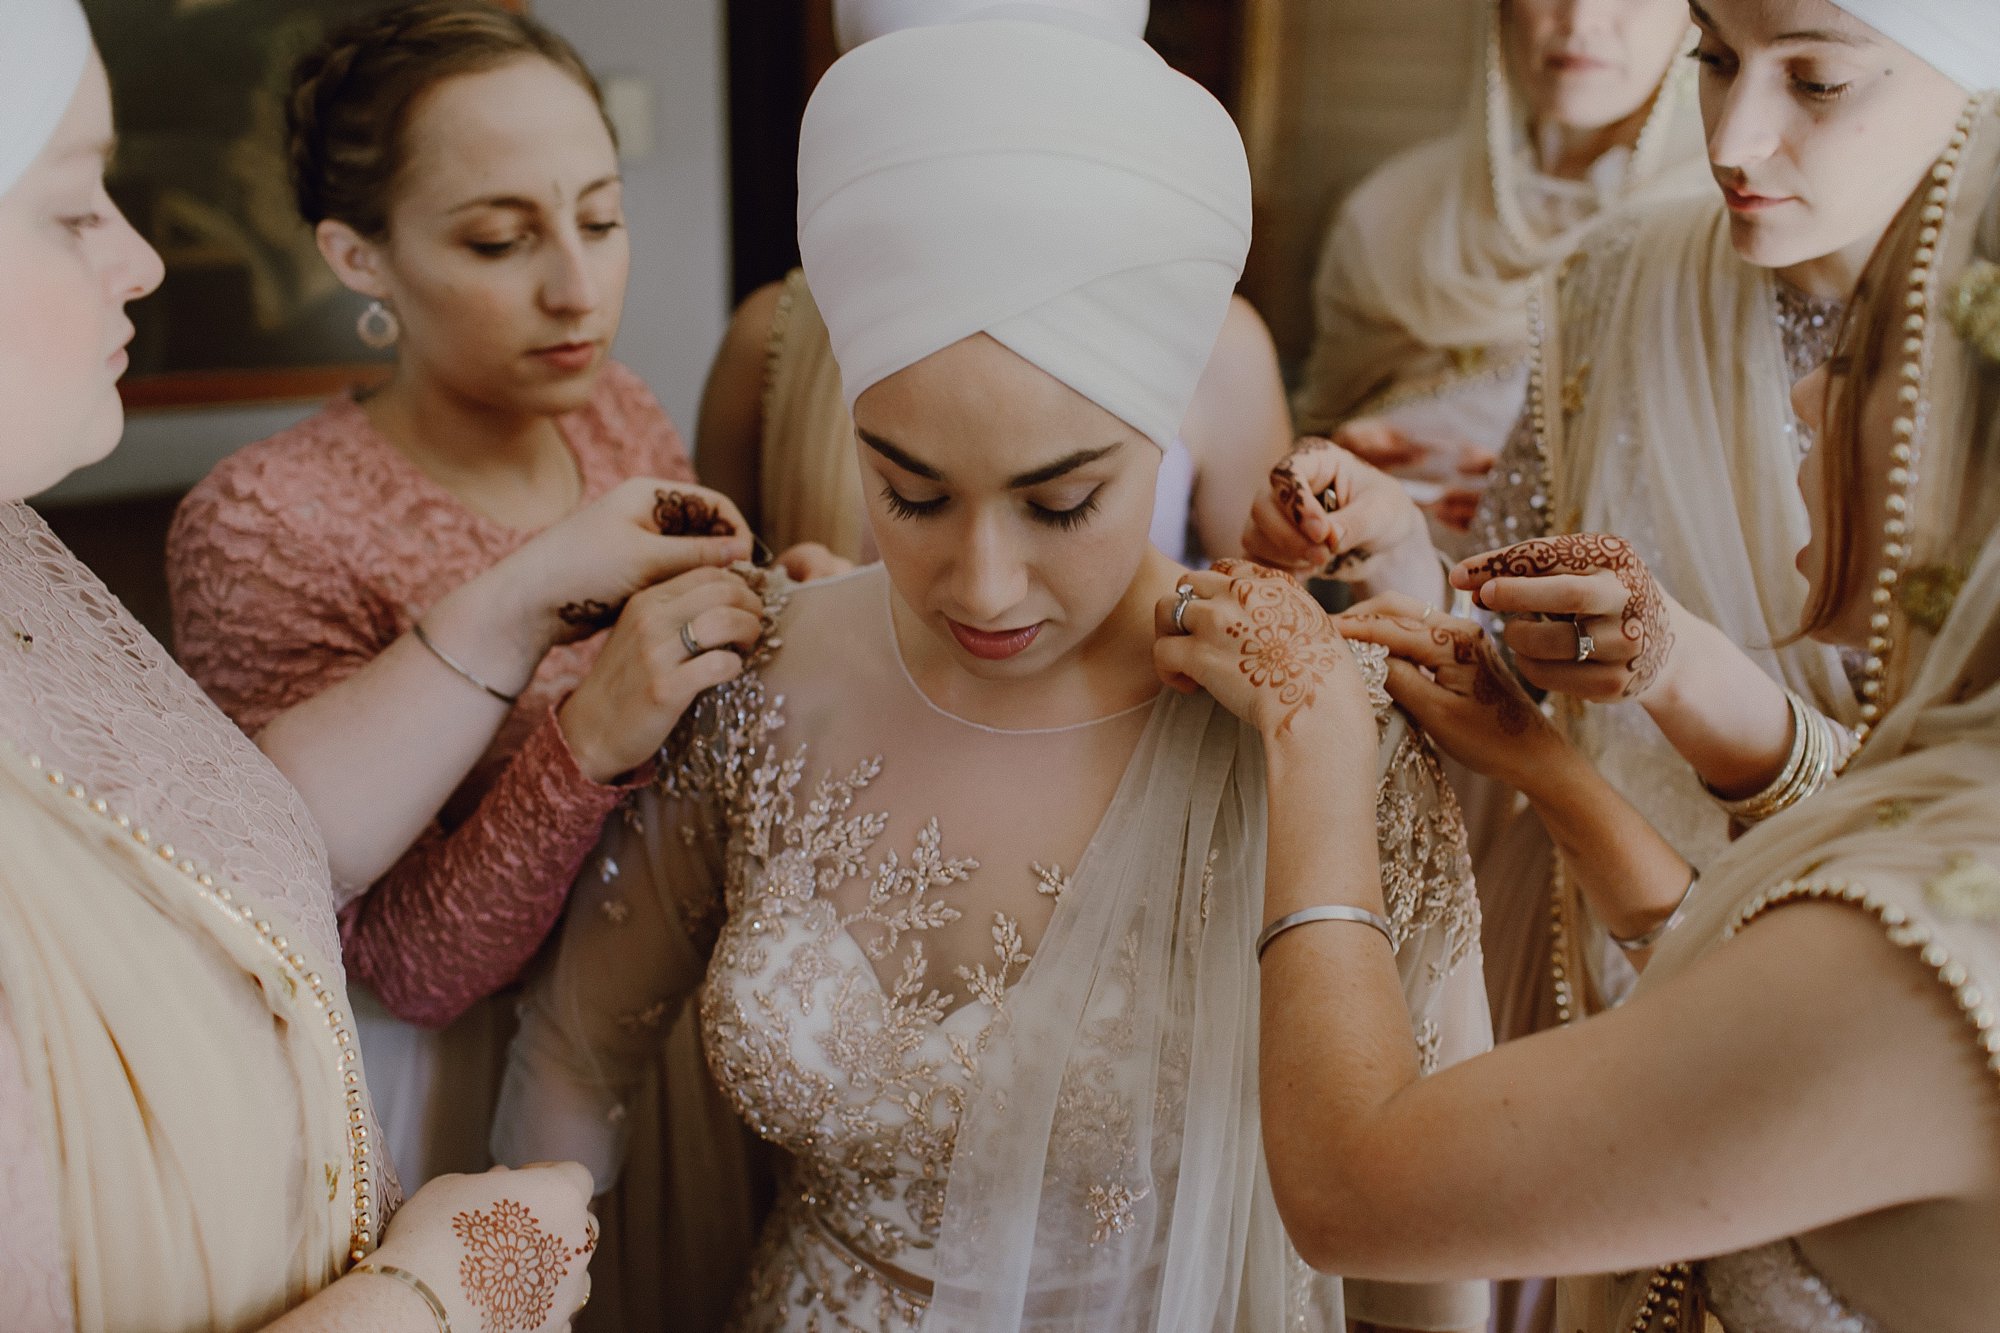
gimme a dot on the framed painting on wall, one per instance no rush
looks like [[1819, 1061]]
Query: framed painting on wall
[[249, 311]]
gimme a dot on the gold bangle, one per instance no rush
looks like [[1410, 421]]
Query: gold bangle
[[414, 1283]]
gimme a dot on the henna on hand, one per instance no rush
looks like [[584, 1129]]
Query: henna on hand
[[512, 1266], [1645, 622], [684, 514], [1287, 644], [1289, 491], [589, 616]]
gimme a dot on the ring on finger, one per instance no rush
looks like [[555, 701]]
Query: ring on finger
[[1585, 644], [688, 641], [1184, 596]]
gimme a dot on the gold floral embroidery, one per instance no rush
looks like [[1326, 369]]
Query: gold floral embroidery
[[1968, 888], [1429, 1039], [1114, 1207]]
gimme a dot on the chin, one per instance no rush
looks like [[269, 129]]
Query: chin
[[556, 398], [1769, 245]]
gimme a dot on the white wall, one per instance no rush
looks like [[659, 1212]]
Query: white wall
[[669, 56]]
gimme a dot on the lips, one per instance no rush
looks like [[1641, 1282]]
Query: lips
[[1742, 201], [1577, 64], [570, 356], [993, 645]]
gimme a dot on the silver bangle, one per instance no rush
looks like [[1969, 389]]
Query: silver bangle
[[1359, 915], [1641, 943], [417, 628], [414, 1283]]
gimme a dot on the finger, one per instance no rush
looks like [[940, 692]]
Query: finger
[[1175, 661], [684, 683], [1271, 538], [1555, 595], [1593, 682], [1294, 494], [669, 556], [573, 1175], [1413, 641], [1392, 604], [1414, 692], [1558, 640], [721, 627]]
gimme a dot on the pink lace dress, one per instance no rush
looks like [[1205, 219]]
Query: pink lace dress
[[291, 566]]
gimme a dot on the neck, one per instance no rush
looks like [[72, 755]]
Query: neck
[[442, 428], [1568, 152], [1109, 671], [1832, 277]]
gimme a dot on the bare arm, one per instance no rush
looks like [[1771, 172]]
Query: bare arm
[[729, 434], [1237, 428]]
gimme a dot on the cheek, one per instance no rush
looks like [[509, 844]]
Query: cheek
[[59, 399]]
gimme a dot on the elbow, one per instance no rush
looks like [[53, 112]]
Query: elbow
[[1326, 1231]]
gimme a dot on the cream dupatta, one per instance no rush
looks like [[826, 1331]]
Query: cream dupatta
[[1423, 286], [808, 484], [170, 973], [1911, 833]]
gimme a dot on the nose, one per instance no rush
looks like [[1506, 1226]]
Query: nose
[[1809, 399], [1746, 129], [137, 270], [569, 288], [989, 578]]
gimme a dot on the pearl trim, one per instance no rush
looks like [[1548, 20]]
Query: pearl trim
[[362, 1226], [1906, 455]]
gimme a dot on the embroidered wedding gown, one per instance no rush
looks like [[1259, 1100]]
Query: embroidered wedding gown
[[980, 987]]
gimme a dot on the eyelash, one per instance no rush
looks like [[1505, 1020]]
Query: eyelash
[[1818, 92], [1063, 520], [501, 249]]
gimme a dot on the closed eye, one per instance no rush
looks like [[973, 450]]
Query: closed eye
[[902, 507], [1065, 519]]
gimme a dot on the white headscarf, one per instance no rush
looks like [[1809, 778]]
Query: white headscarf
[[1960, 39], [858, 21], [1052, 184], [44, 45]]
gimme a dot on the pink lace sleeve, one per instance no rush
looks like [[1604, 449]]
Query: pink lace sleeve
[[34, 1279], [462, 913]]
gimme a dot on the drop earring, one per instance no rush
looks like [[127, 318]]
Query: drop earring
[[378, 326]]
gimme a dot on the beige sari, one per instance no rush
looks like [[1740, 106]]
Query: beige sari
[[1911, 834], [1423, 285], [171, 977]]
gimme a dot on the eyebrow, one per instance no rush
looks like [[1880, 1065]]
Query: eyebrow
[[1798, 38], [1063, 466], [523, 204]]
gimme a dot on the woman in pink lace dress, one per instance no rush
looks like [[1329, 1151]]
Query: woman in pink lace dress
[[366, 593], [185, 1133]]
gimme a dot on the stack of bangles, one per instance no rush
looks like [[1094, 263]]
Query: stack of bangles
[[1821, 747]]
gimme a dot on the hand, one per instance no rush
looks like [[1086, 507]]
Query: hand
[[1254, 639], [645, 678], [1290, 527], [505, 1251], [576, 576], [1583, 584], [1448, 676], [810, 560]]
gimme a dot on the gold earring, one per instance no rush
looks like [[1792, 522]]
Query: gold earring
[[378, 326]]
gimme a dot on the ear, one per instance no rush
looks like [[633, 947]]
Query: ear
[[354, 259]]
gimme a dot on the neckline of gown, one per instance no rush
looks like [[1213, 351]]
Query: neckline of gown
[[909, 679]]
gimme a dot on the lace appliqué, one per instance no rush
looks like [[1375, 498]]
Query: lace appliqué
[[1773, 1289]]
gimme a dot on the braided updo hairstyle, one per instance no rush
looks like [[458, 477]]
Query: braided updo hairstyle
[[351, 98]]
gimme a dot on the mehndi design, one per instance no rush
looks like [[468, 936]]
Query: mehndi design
[[1289, 644], [512, 1266], [1645, 621], [685, 514]]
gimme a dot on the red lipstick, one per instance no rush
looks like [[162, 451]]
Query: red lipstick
[[993, 645]]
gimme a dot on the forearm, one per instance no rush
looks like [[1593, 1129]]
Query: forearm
[[359, 1303], [461, 915], [1721, 712], [376, 756], [1631, 876], [1335, 1040]]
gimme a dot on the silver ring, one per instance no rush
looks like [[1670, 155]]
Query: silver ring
[[1184, 595], [1585, 645], [694, 649]]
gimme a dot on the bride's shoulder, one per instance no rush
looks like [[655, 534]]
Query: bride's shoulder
[[827, 618]]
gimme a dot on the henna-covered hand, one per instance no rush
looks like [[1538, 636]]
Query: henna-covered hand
[[679, 513], [1449, 677], [1264, 648], [505, 1251], [1573, 586], [588, 617], [1327, 510]]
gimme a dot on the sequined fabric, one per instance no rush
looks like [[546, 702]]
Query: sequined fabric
[[1773, 1289]]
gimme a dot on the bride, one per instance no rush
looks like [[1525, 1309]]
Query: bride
[[969, 899]]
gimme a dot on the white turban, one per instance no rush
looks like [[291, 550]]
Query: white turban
[[1058, 188], [858, 21], [44, 45], [1960, 39]]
